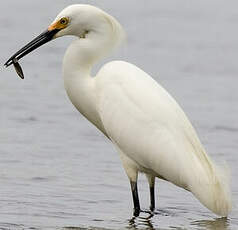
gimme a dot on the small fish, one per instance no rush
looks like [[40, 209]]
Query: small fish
[[18, 68]]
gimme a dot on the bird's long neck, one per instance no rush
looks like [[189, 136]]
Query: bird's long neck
[[79, 84]]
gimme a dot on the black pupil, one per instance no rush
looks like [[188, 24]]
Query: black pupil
[[63, 21]]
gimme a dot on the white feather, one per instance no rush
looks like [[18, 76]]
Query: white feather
[[149, 129]]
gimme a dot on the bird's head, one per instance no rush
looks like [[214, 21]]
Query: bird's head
[[88, 23]]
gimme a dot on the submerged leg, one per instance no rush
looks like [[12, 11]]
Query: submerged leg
[[135, 196], [151, 180], [152, 198]]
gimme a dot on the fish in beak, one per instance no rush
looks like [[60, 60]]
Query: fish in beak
[[43, 38]]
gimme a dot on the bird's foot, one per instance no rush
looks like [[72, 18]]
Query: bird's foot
[[136, 212], [151, 214], [152, 208]]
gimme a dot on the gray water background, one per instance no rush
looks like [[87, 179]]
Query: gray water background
[[57, 171]]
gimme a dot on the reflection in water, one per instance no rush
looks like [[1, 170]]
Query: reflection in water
[[141, 222], [73, 228], [216, 224], [145, 220]]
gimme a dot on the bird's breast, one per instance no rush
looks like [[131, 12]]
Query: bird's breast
[[82, 95]]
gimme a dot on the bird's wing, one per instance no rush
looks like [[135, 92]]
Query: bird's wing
[[146, 122], [147, 125]]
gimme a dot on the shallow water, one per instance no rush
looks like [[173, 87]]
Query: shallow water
[[58, 172]]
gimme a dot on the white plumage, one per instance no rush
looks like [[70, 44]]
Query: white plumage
[[150, 131], [148, 128]]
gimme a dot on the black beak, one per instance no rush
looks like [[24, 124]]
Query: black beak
[[43, 38]]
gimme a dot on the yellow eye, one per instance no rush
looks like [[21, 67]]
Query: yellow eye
[[64, 21]]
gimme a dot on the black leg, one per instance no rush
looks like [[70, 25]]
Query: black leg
[[151, 180], [152, 198], [135, 198]]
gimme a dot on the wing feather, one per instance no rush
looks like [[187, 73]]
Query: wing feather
[[148, 125]]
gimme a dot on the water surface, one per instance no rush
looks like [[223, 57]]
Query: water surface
[[57, 171]]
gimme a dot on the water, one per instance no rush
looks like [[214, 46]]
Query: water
[[57, 171]]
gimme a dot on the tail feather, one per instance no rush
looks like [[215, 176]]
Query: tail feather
[[212, 188]]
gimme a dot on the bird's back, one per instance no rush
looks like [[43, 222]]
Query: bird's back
[[147, 124]]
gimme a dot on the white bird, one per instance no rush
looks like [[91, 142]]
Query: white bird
[[146, 125]]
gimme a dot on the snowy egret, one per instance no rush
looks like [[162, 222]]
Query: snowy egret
[[148, 128]]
